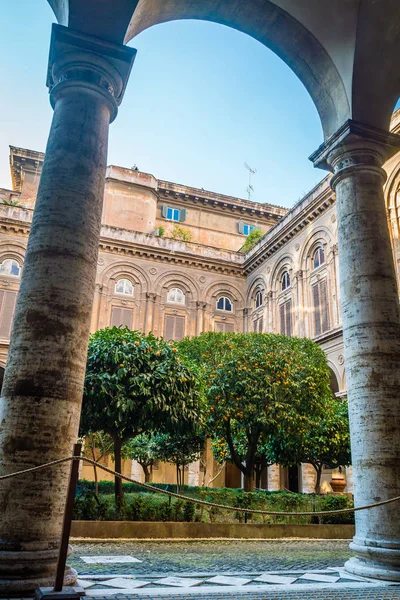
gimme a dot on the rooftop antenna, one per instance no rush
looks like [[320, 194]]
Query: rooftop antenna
[[250, 188]]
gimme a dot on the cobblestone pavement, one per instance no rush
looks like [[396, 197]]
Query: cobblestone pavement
[[242, 563], [212, 557]]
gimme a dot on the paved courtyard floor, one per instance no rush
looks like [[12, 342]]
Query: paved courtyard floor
[[222, 570]]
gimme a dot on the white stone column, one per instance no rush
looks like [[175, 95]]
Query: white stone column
[[349, 479], [274, 478], [43, 381], [308, 478], [371, 333], [194, 473], [137, 471]]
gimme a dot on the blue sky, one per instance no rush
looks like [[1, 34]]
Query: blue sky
[[202, 100]]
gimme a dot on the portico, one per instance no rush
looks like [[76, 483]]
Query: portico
[[354, 92]]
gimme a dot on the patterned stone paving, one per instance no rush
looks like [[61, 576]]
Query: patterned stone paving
[[173, 558]]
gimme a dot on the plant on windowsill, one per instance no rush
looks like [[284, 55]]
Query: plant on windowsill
[[159, 232], [10, 202], [251, 240], [179, 233]]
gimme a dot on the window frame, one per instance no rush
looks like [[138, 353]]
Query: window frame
[[175, 212], [183, 303], [285, 275], [249, 227], [318, 251], [124, 293], [225, 300], [258, 295], [11, 260]]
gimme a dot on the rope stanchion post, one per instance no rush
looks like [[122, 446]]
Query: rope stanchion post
[[60, 591]]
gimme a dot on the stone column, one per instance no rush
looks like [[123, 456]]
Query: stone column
[[274, 478], [43, 381], [371, 333], [349, 479], [96, 308], [308, 478], [194, 473]]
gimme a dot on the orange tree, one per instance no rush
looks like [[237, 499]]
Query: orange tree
[[257, 386], [135, 383], [321, 440]]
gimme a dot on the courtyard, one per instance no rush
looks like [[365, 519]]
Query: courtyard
[[221, 569]]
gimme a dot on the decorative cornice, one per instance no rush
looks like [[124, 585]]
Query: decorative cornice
[[295, 225]]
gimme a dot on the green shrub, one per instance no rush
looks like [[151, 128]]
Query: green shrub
[[337, 503]]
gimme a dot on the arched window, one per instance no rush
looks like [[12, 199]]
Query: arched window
[[124, 286], [285, 281], [319, 257], [176, 296], [224, 303], [259, 299], [10, 267]]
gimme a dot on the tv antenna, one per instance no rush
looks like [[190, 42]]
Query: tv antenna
[[250, 188]]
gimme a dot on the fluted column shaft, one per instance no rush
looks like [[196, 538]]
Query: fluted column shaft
[[371, 333], [43, 381]]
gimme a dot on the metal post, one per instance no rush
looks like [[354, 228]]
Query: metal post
[[58, 590]]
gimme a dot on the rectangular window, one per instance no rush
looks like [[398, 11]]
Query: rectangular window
[[248, 228], [7, 307], [224, 327], [285, 314], [174, 327], [173, 214], [258, 325], [321, 307], [121, 317]]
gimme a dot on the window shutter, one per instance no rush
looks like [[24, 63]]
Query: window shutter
[[255, 325], [260, 325], [7, 303], [288, 306], [282, 317], [182, 215], [127, 317], [229, 327], [218, 326], [323, 292], [257, 227], [164, 209], [241, 227], [169, 327], [179, 332], [317, 311]]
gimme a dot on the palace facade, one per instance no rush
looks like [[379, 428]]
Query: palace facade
[[170, 262]]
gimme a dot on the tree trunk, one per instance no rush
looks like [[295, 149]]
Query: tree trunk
[[119, 493], [258, 469], [248, 481], [318, 480], [146, 471]]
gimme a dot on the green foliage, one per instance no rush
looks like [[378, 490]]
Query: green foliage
[[179, 233], [251, 240], [10, 202], [319, 440], [160, 231], [135, 383], [180, 449], [143, 506], [256, 387], [143, 448]]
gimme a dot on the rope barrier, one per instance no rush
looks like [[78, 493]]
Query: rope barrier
[[193, 500]]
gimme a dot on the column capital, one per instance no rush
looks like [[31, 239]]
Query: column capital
[[80, 61], [356, 147]]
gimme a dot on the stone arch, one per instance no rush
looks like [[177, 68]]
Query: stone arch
[[12, 251], [335, 379], [123, 270], [276, 29], [258, 283], [224, 289], [321, 236], [286, 262], [177, 279]]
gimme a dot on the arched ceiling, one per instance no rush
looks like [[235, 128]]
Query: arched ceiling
[[344, 51]]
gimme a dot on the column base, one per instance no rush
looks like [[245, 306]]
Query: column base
[[24, 571], [375, 561]]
